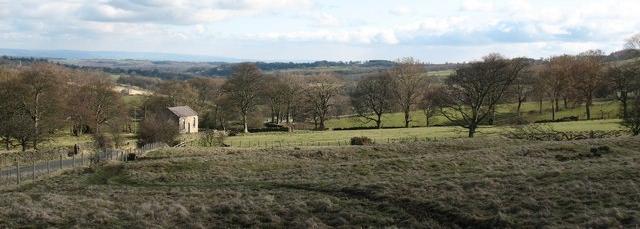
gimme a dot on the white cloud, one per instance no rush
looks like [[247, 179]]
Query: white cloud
[[326, 20], [477, 5], [541, 26], [401, 11]]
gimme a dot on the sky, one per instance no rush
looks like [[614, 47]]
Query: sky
[[306, 30]]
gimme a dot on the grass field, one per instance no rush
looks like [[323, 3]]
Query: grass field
[[463, 183], [384, 135], [505, 113]]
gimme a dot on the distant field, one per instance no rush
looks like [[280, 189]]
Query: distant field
[[384, 135], [463, 183], [530, 112]]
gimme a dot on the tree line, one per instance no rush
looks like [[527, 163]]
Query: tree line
[[39, 99]]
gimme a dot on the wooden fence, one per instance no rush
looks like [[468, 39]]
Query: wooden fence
[[18, 172]]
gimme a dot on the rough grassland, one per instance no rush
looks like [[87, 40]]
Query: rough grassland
[[480, 183]]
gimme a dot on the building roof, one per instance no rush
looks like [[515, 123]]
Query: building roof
[[183, 111]]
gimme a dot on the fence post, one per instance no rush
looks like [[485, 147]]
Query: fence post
[[81, 159], [18, 171], [33, 170], [73, 163]]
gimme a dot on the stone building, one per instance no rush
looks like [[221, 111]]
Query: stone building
[[187, 119]]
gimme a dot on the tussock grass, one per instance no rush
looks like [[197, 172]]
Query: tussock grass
[[485, 182]]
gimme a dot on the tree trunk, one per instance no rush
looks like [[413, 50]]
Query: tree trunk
[[321, 127], [623, 100], [426, 120], [553, 111], [540, 106], [379, 121], [565, 103], [288, 113], [557, 104], [407, 118], [588, 109], [519, 107], [244, 122], [24, 145], [472, 130]]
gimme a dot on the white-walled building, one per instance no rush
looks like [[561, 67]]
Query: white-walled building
[[187, 119]]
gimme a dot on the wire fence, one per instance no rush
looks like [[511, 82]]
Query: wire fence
[[17, 172], [304, 143]]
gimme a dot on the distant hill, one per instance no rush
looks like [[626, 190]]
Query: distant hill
[[115, 55]]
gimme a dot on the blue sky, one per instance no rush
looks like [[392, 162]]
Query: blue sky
[[432, 31]]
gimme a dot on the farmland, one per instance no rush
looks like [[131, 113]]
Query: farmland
[[384, 135], [505, 113], [482, 182]]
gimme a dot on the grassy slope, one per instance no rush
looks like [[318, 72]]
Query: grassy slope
[[530, 112], [381, 135], [485, 182]]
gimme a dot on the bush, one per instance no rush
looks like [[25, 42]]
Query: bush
[[361, 141], [155, 129], [212, 139]]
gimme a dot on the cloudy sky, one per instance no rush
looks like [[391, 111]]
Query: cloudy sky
[[433, 31]]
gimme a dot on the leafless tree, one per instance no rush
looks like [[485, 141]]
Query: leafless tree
[[95, 103], [472, 93], [320, 94], [429, 103], [409, 82], [623, 79], [632, 121], [243, 89], [522, 86], [586, 77], [40, 92], [373, 95], [554, 78], [633, 42]]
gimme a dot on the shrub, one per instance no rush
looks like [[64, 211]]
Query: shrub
[[212, 138], [156, 129], [632, 119], [361, 141]]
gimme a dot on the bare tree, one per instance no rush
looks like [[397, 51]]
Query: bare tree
[[291, 93], [554, 78], [472, 93], [373, 95], [320, 95], [429, 103], [587, 76], [632, 121], [522, 86], [40, 93], [409, 82], [95, 103], [9, 107], [275, 93], [633, 42], [623, 79], [243, 89], [181, 93], [209, 90]]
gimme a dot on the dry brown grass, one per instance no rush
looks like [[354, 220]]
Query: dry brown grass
[[486, 182]]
